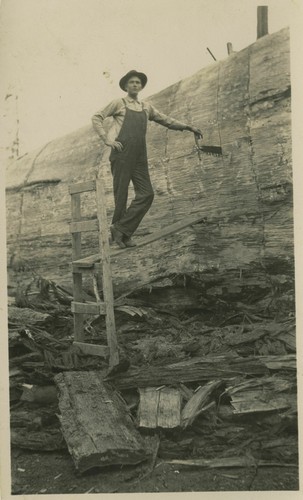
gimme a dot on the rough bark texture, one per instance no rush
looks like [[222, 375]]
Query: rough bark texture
[[243, 105], [95, 423]]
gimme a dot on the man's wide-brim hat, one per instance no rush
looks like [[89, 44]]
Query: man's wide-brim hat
[[129, 75]]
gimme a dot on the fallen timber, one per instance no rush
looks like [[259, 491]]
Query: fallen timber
[[201, 369], [243, 105]]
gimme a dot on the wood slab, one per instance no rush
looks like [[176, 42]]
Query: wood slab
[[96, 424], [159, 407]]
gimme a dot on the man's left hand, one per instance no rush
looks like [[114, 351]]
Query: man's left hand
[[197, 132]]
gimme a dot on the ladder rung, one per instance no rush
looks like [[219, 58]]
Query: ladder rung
[[93, 349], [86, 261], [84, 225], [82, 187], [86, 308]]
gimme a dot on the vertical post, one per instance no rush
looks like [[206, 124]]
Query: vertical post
[[107, 275], [262, 21], [229, 48], [77, 277]]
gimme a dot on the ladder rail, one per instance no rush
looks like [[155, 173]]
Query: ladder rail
[[80, 308]]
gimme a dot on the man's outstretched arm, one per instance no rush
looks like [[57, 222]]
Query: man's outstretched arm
[[171, 123]]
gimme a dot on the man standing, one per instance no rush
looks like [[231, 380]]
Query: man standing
[[128, 157]]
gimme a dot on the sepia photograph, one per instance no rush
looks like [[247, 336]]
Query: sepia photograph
[[149, 306]]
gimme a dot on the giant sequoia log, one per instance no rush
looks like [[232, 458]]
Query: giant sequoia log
[[242, 104]]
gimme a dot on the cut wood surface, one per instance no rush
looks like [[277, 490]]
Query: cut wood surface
[[159, 407], [95, 422]]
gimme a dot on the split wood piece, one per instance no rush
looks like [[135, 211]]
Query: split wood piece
[[193, 370], [186, 392], [45, 440], [195, 405], [107, 275], [95, 422], [262, 395], [289, 339], [88, 308], [20, 360], [19, 317], [287, 362], [39, 394], [91, 349], [237, 338], [77, 278], [159, 408], [230, 462], [166, 231], [34, 418]]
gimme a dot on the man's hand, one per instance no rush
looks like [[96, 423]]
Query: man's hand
[[196, 131], [115, 145]]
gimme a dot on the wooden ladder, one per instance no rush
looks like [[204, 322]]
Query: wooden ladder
[[80, 308], [99, 264]]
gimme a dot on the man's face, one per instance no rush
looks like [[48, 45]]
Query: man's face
[[133, 85]]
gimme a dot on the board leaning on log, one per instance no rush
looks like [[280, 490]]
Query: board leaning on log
[[243, 105]]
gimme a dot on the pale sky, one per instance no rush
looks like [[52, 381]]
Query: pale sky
[[64, 58]]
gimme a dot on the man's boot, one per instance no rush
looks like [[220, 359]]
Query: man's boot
[[128, 242], [117, 237]]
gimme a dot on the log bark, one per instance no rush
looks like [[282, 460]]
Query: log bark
[[95, 423], [243, 105]]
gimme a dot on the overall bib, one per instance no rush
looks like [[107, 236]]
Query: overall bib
[[131, 165]]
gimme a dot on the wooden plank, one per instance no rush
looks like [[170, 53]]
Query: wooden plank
[[78, 296], [193, 407], [166, 231], [107, 275], [149, 401], [92, 349], [87, 308], [229, 462], [85, 225], [77, 278], [159, 408], [81, 187], [95, 422], [169, 410]]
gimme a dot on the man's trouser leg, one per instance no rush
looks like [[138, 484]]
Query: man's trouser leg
[[121, 178], [140, 205]]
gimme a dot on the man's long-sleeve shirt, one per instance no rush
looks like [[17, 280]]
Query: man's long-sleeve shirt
[[117, 110]]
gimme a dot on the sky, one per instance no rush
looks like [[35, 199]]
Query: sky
[[63, 59]]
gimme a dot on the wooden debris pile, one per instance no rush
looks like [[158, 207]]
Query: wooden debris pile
[[205, 388]]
